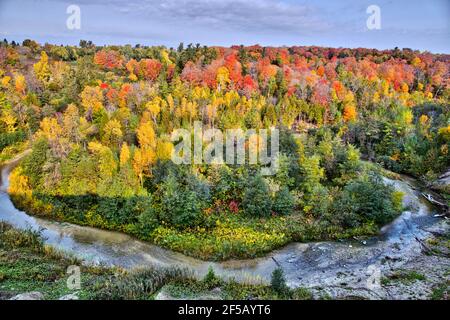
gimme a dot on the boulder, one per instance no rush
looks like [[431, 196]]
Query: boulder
[[35, 295], [71, 296]]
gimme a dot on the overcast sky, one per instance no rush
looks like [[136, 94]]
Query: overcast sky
[[417, 24]]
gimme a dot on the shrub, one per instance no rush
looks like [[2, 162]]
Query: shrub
[[301, 294], [33, 163], [182, 205], [397, 200], [210, 279], [226, 184], [13, 238], [121, 210], [139, 284], [9, 138], [366, 199], [257, 202], [147, 221], [278, 282]]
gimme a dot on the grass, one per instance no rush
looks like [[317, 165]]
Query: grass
[[441, 292], [404, 276], [231, 290], [27, 264], [439, 245], [139, 284], [11, 151]]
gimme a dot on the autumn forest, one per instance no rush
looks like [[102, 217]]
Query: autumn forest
[[96, 123]]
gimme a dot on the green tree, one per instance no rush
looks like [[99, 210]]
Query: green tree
[[256, 201], [278, 282], [181, 205], [283, 202]]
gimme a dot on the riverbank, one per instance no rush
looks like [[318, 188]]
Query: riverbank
[[14, 151], [31, 270]]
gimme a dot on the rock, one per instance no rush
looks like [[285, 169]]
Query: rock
[[35, 295], [214, 294], [5, 295], [216, 290], [162, 295], [71, 296]]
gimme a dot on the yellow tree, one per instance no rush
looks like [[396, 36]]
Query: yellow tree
[[164, 148], [5, 81], [138, 164], [146, 135], [50, 129], [41, 68], [154, 107], [71, 123], [9, 120], [105, 157], [223, 78], [58, 70], [147, 140], [54, 133], [20, 84], [92, 98], [165, 57], [112, 133], [124, 154], [85, 129], [349, 108]]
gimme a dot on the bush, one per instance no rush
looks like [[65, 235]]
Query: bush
[[182, 205], [11, 238], [227, 184], [397, 200], [283, 202], [278, 282], [210, 279], [9, 138], [34, 163], [301, 294], [139, 284], [123, 211], [367, 199], [257, 202], [147, 221]]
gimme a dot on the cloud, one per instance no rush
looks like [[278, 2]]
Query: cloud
[[242, 15], [407, 23]]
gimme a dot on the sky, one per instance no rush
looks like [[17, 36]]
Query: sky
[[416, 24]]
